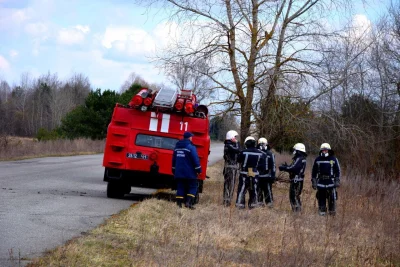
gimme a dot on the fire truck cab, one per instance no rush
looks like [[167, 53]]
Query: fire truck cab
[[141, 138]]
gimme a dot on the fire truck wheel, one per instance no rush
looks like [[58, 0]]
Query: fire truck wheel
[[115, 190], [127, 188]]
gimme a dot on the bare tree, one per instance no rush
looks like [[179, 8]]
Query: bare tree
[[79, 88], [189, 75], [133, 78], [5, 91], [242, 41], [5, 119], [69, 95]]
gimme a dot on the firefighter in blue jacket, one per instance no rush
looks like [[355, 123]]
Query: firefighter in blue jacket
[[266, 175], [248, 181], [325, 178], [186, 167], [296, 175]]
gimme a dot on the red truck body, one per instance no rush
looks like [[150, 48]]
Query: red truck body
[[141, 139]]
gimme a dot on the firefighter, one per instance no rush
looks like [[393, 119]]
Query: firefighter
[[266, 175], [248, 180], [296, 174], [325, 178], [186, 167], [231, 151]]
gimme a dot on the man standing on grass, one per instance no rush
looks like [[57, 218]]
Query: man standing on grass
[[231, 151], [248, 180], [186, 167], [325, 179], [266, 175], [296, 175]]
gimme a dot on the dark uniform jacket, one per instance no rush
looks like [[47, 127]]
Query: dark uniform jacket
[[249, 158], [185, 161], [266, 166], [297, 168], [231, 151], [326, 170]]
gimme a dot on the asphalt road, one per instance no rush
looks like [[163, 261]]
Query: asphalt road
[[45, 202]]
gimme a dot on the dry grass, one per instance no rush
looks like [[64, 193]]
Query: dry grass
[[13, 148], [156, 233]]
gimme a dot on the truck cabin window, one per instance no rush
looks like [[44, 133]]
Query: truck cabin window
[[156, 141]]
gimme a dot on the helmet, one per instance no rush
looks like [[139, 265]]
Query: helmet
[[249, 138], [231, 134], [300, 147], [250, 141], [262, 140], [325, 146]]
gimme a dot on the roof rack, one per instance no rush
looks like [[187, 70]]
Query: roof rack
[[165, 98]]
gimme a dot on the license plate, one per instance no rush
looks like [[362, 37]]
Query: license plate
[[137, 156]]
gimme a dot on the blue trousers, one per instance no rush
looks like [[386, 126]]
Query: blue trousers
[[186, 187]]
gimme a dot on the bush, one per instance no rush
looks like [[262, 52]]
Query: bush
[[45, 135]]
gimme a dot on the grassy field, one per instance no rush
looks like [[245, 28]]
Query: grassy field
[[156, 232], [14, 148]]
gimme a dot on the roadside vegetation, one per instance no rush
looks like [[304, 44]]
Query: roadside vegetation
[[156, 232], [14, 148]]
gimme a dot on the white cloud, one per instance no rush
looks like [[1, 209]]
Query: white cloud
[[128, 41], [164, 33], [13, 53], [4, 65], [84, 29], [20, 15], [36, 29], [96, 66], [361, 25], [11, 18], [72, 36]]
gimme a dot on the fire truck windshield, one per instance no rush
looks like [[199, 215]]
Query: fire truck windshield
[[156, 141]]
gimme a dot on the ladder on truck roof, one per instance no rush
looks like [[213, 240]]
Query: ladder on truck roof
[[165, 98]]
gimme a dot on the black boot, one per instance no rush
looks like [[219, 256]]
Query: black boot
[[227, 203], [179, 202], [322, 211], [189, 203]]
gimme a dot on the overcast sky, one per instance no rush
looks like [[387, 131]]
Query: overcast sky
[[103, 39]]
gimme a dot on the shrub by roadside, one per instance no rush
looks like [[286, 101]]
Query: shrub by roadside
[[156, 233]]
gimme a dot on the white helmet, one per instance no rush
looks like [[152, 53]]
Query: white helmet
[[325, 146], [249, 138], [262, 140], [231, 134], [300, 147]]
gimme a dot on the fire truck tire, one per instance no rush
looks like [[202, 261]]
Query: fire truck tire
[[127, 188], [115, 190]]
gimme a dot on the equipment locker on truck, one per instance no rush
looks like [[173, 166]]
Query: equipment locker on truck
[[142, 135]]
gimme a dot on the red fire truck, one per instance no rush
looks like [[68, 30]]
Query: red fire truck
[[142, 135]]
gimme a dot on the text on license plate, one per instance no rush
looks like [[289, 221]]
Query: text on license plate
[[136, 156]]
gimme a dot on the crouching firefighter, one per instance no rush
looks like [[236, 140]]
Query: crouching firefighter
[[325, 178], [296, 175], [231, 151], [248, 180], [186, 167], [266, 175]]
